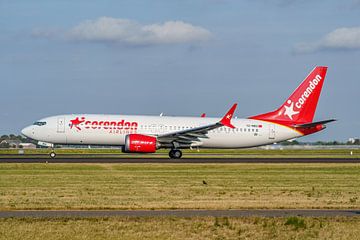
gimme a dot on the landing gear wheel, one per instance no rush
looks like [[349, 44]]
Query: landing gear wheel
[[175, 153], [52, 154]]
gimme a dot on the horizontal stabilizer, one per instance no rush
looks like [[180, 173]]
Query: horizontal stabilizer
[[313, 124]]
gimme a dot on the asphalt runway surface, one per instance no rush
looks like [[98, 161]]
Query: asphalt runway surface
[[179, 213], [61, 159]]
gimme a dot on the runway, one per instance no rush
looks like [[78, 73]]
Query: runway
[[34, 159], [180, 213]]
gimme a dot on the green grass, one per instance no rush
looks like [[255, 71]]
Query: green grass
[[162, 153], [179, 228], [296, 222], [179, 186]]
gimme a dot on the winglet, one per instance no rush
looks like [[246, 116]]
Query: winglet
[[203, 115], [226, 120]]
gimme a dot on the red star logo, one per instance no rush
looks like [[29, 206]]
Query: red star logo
[[76, 122]]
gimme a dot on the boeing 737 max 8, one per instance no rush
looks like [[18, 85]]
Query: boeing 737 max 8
[[146, 134]]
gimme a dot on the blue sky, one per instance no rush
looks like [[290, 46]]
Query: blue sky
[[177, 57]]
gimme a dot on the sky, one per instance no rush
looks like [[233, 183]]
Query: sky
[[179, 57]]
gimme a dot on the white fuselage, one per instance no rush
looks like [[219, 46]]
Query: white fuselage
[[96, 129]]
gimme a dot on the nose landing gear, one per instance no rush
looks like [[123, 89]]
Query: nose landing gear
[[175, 153], [52, 154]]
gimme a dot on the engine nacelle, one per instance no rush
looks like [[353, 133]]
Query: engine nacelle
[[139, 143]]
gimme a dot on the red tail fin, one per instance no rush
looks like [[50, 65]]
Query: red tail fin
[[301, 105]]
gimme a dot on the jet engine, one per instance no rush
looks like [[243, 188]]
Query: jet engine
[[138, 143]]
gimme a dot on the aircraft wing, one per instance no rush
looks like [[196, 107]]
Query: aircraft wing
[[191, 135]]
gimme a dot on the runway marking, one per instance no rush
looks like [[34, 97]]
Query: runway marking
[[182, 160], [180, 213]]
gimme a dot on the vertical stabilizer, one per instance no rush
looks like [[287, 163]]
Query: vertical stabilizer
[[300, 107]]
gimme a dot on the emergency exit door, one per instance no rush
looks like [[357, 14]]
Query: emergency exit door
[[271, 131], [61, 125]]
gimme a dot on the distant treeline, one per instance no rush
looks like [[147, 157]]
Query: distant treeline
[[4, 144], [323, 143], [12, 137]]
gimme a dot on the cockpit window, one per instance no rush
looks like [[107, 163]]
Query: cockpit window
[[39, 123]]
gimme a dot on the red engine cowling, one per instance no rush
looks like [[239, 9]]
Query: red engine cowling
[[139, 143]]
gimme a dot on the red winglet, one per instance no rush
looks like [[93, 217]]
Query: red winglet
[[203, 115], [226, 120]]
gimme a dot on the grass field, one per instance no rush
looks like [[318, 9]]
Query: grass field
[[252, 153], [181, 228], [179, 186]]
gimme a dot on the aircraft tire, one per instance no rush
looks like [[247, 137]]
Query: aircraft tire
[[175, 153], [52, 154]]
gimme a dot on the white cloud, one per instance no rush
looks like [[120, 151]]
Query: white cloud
[[339, 39], [124, 31]]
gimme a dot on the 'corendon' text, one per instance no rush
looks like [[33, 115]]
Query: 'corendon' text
[[308, 91], [112, 125]]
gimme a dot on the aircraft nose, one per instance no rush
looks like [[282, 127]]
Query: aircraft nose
[[27, 131]]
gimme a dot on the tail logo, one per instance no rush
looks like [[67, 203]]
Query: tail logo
[[289, 110], [307, 93]]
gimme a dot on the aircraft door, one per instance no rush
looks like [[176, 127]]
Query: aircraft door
[[61, 125], [271, 131]]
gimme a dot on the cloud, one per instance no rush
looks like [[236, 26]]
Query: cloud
[[124, 31], [339, 39]]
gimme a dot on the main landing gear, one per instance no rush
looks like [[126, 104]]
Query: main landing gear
[[175, 153]]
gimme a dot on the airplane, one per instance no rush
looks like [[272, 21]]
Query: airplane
[[147, 134]]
